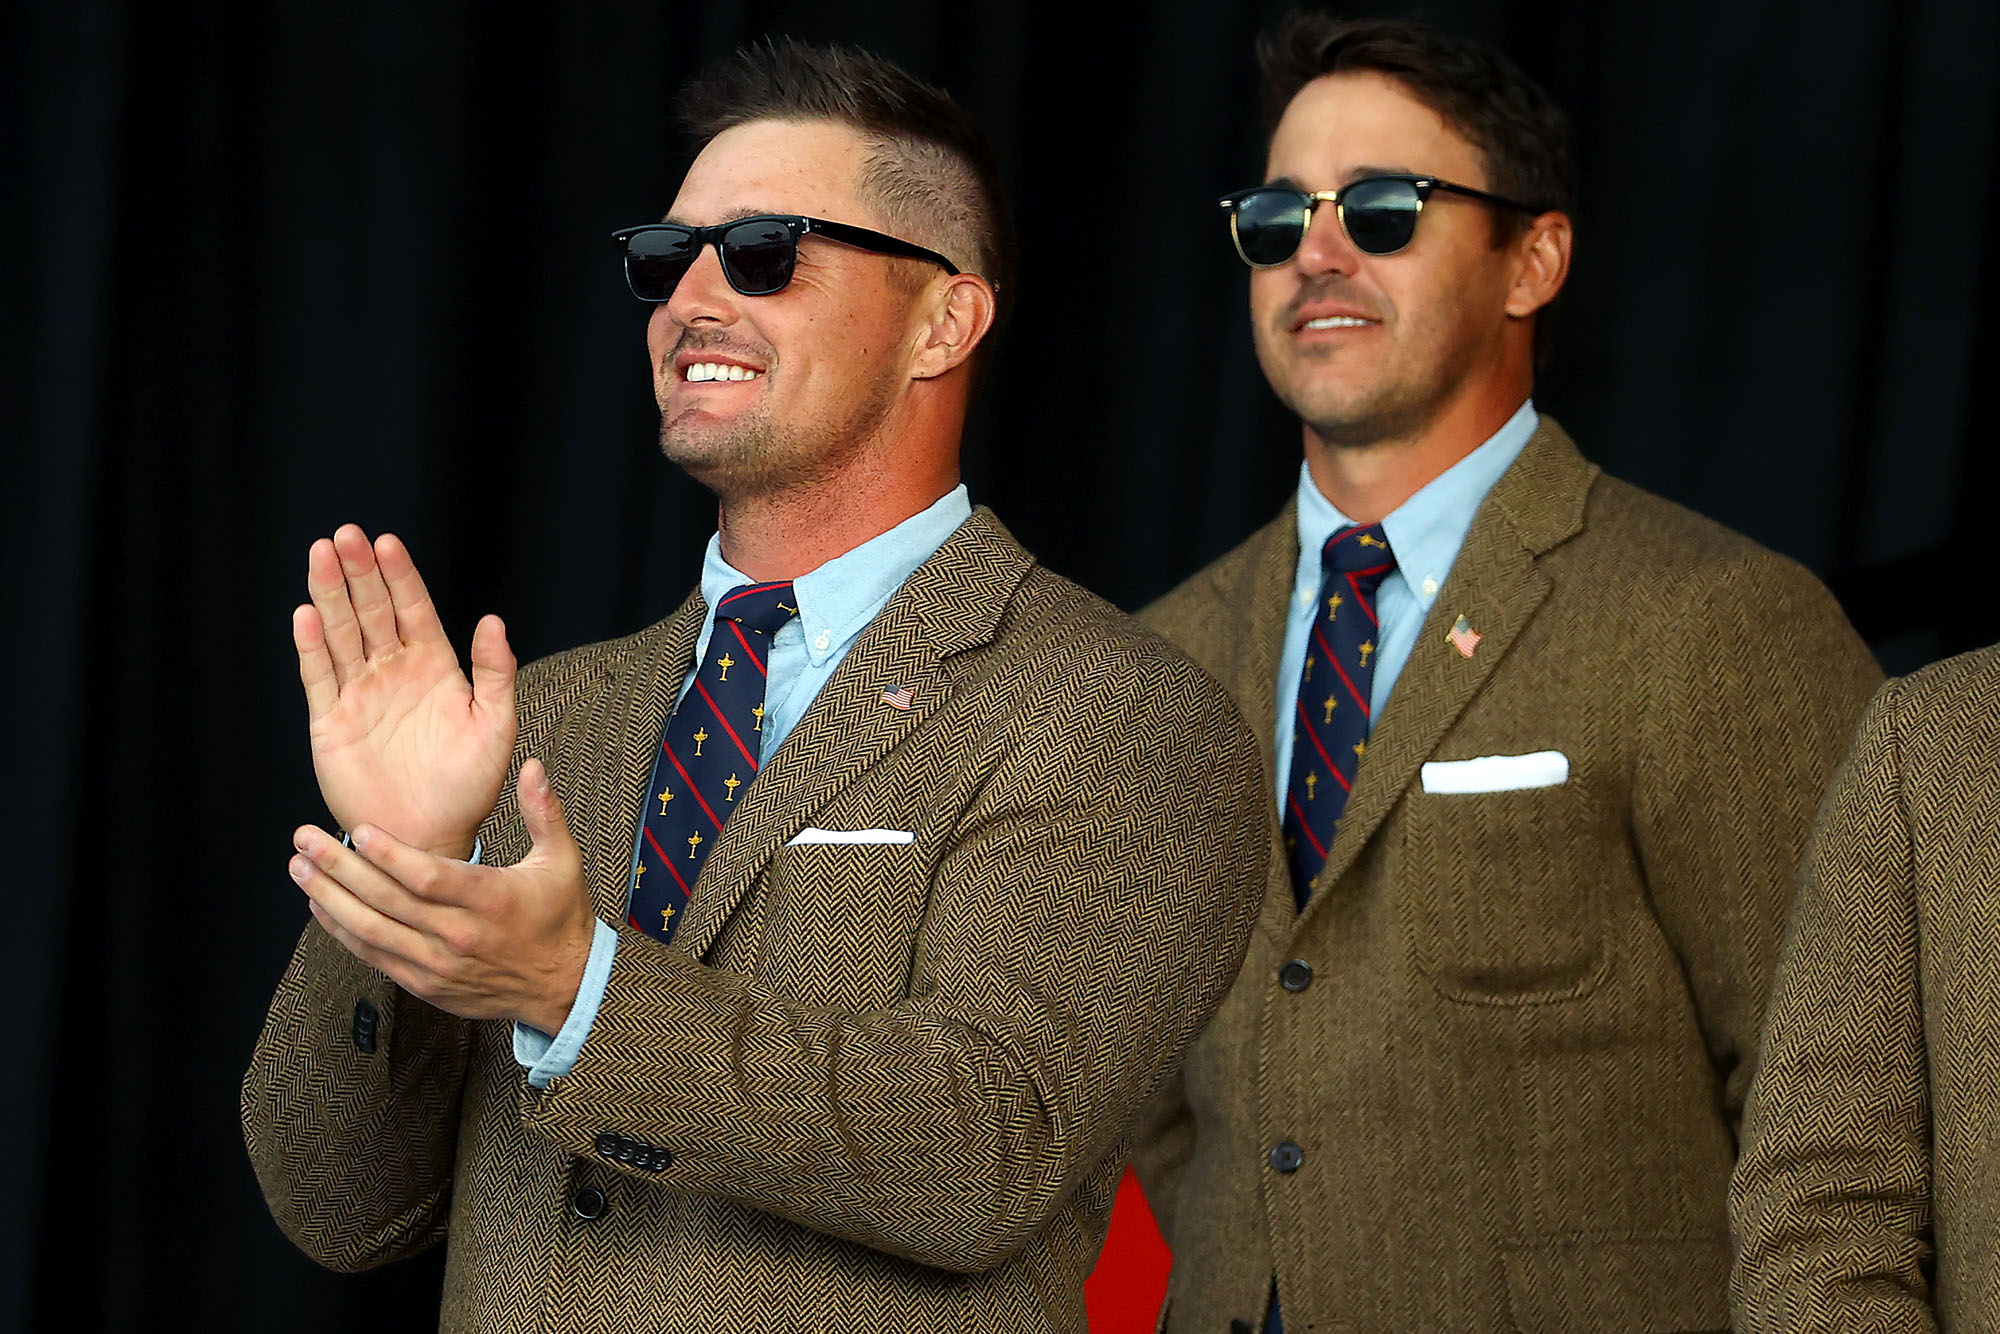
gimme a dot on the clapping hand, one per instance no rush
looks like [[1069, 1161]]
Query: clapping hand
[[401, 739]]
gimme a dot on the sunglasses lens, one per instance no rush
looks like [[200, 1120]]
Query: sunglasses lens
[[1269, 224], [1380, 216], [758, 255], [656, 260]]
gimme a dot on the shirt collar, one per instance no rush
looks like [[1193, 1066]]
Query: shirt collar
[[839, 599], [1426, 530]]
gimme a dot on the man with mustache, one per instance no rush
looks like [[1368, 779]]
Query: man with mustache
[[820, 944], [1544, 751]]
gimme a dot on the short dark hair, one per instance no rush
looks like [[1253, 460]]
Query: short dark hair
[[1517, 128], [1519, 132], [929, 165]]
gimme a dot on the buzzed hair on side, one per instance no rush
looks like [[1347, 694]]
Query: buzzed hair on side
[[928, 165]]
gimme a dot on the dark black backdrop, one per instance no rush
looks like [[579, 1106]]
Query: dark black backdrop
[[271, 266]]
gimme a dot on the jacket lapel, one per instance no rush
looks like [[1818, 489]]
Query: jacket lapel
[[1267, 582], [615, 747], [1497, 586], [953, 602]]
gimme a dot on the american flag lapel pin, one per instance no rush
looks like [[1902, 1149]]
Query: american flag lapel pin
[[1463, 637], [898, 699]]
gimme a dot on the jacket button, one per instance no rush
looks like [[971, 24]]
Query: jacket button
[[1286, 1156], [365, 1018], [1296, 975], [1239, 1327], [588, 1203]]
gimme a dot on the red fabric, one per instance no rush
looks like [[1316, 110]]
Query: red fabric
[[1123, 1294]]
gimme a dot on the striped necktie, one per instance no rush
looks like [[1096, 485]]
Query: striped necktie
[[708, 755], [1330, 720]]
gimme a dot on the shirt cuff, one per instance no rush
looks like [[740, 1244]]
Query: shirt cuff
[[545, 1057]]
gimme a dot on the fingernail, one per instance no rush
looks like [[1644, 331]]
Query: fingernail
[[300, 840], [300, 869]]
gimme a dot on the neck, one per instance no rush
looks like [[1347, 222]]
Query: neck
[[784, 534], [1368, 482]]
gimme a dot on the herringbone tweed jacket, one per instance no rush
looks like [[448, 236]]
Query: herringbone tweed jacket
[[1868, 1196], [868, 1087], [1515, 1069]]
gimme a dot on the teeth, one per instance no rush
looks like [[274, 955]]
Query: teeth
[[1338, 322], [716, 370]]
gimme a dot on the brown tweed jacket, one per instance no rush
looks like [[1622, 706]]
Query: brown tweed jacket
[[868, 1087], [1868, 1196], [1516, 1069]]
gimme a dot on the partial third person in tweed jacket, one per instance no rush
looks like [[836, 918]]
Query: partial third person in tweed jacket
[[1483, 1067], [834, 930], [1868, 1195]]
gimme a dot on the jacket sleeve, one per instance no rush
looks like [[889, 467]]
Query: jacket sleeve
[[1162, 1146], [350, 1109], [1759, 684], [1085, 920], [1830, 1204]]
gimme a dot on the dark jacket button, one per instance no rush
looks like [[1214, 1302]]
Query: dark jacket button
[[365, 1017], [1286, 1156], [1296, 975], [587, 1203], [1239, 1327]]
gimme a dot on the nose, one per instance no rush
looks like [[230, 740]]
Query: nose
[[703, 295], [1325, 247]]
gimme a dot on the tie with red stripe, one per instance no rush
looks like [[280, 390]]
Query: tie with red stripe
[[1331, 719], [708, 755]]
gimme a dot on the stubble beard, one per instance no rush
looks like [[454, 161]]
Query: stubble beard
[[754, 458], [1400, 405]]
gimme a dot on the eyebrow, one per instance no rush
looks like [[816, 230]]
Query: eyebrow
[[736, 216], [1353, 174]]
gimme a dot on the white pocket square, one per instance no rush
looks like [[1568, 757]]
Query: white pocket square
[[1497, 773], [810, 835]]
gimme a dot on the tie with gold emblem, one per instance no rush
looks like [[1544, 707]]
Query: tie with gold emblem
[[1331, 719], [708, 755]]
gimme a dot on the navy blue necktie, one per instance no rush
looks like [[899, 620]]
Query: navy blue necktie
[[708, 755], [1331, 719]]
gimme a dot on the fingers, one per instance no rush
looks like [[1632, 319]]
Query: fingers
[[352, 894], [315, 663], [367, 591], [425, 885], [416, 616], [542, 812], [492, 666], [326, 585]]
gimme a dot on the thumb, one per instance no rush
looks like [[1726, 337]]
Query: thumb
[[542, 811], [492, 665]]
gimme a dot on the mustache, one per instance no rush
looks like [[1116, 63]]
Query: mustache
[[1323, 287], [713, 340]]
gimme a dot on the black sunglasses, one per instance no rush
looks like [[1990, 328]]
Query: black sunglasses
[[758, 254], [1378, 213]]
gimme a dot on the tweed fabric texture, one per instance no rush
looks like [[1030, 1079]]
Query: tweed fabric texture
[[1516, 1072], [896, 1081], [1868, 1196]]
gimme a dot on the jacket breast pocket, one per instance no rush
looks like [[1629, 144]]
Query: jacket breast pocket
[[840, 921], [1503, 893]]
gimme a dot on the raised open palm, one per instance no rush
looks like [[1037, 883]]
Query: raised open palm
[[401, 739]]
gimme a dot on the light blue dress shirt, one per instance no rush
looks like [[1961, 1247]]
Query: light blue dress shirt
[[1425, 533], [836, 603]]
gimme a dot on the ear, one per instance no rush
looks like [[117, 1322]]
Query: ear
[[959, 314], [1543, 254]]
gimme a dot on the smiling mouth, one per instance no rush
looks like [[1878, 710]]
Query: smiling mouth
[[1337, 322], [701, 372]]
